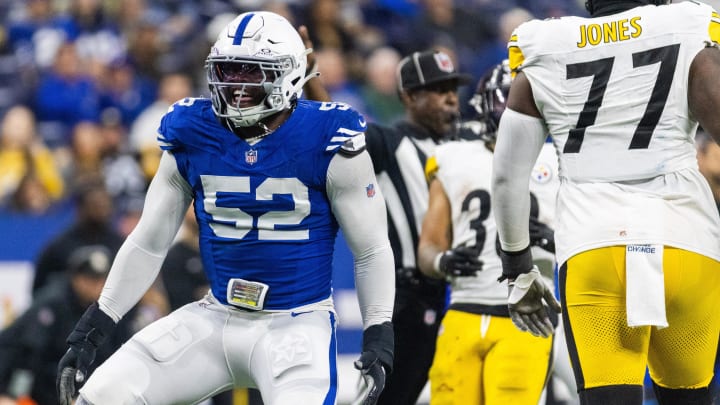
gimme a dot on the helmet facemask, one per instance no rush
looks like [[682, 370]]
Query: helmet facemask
[[490, 99], [256, 68], [244, 91]]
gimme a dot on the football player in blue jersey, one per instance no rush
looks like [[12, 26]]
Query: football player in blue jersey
[[272, 178]]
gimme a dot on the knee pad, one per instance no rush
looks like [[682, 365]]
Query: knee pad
[[693, 396], [612, 395]]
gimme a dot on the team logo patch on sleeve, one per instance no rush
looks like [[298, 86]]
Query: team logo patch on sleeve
[[541, 173], [370, 190]]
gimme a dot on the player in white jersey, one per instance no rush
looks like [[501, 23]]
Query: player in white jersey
[[272, 178], [481, 358], [637, 232]]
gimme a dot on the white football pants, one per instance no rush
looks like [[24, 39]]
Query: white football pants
[[205, 348]]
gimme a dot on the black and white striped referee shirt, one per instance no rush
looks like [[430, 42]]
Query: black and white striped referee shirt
[[399, 154]]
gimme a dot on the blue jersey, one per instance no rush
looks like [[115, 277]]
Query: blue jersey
[[263, 210]]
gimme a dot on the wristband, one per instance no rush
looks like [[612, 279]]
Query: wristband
[[380, 339], [436, 262], [515, 263]]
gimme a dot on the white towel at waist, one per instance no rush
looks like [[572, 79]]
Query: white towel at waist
[[645, 294]]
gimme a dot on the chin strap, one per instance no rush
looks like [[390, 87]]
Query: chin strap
[[309, 75]]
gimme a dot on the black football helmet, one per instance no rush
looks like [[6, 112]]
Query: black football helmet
[[490, 99], [592, 5]]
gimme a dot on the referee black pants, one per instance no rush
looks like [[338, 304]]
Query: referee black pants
[[416, 320]]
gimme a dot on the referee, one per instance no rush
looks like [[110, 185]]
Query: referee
[[428, 85]]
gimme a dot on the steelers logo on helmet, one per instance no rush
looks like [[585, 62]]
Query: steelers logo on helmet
[[256, 68]]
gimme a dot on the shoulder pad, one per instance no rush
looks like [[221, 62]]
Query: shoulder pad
[[431, 168], [714, 28], [180, 124], [353, 146]]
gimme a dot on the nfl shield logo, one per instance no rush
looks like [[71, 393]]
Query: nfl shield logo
[[444, 62], [251, 156]]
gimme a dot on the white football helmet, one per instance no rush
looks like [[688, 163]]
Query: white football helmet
[[256, 68]]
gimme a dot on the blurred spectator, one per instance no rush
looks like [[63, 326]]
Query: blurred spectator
[[496, 50], [24, 156], [92, 226], [555, 8], [183, 30], [328, 30], [87, 151], [122, 173], [65, 96], [379, 90], [464, 30], [97, 38], [146, 45], [30, 197], [709, 162], [282, 8], [126, 91], [32, 345], [395, 19], [127, 13], [339, 25], [36, 31], [17, 76], [143, 133], [493, 52], [334, 76]]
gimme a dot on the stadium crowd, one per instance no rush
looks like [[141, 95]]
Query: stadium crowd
[[84, 82]]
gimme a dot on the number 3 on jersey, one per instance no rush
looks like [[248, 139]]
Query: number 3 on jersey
[[235, 223], [600, 70]]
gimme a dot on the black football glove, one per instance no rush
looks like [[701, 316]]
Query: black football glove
[[375, 362], [459, 262], [542, 235], [90, 332]]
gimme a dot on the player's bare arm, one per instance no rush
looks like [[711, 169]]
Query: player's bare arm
[[436, 236], [521, 97], [704, 90]]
